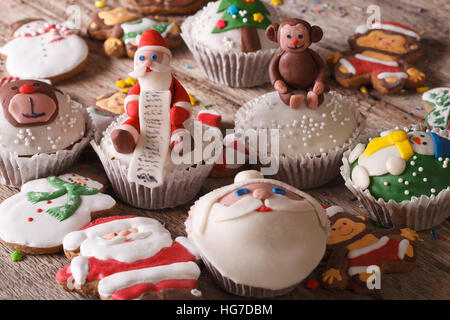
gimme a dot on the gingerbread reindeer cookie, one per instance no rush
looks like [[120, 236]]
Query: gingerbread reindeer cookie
[[379, 56], [353, 246], [129, 257], [36, 219]]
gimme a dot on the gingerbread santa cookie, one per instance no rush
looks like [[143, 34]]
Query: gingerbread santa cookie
[[437, 102], [129, 257], [121, 28], [380, 56], [355, 249], [36, 219], [165, 6], [43, 50]]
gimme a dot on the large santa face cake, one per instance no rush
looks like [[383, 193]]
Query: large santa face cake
[[35, 117], [41, 50], [259, 237]]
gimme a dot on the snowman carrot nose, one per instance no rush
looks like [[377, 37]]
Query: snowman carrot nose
[[417, 140]]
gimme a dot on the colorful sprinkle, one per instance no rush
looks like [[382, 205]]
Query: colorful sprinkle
[[39, 210], [422, 89], [192, 100], [312, 284], [258, 17], [188, 66], [30, 219], [363, 89], [209, 105], [435, 235], [121, 83], [130, 81], [99, 4], [16, 256], [276, 2]]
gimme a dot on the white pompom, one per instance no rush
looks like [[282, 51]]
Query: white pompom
[[248, 175]]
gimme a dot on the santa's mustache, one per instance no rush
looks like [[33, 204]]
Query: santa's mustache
[[141, 71], [249, 204]]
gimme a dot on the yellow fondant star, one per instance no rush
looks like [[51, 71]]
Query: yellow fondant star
[[258, 17]]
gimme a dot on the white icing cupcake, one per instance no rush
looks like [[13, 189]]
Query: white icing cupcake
[[181, 181], [43, 131], [221, 54], [311, 141]]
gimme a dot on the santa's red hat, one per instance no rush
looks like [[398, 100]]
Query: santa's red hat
[[152, 39], [391, 26]]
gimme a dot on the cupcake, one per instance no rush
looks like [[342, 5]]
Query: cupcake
[[43, 131], [401, 176], [275, 235], [304, 145], [228, 42], [154, 153]]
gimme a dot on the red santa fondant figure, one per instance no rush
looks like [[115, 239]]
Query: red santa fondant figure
[[152, 70]]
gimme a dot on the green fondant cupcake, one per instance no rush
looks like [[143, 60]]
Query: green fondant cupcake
[[402, 176]]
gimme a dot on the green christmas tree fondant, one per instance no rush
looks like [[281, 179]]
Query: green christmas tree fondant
[[73, 191], [248, 16]]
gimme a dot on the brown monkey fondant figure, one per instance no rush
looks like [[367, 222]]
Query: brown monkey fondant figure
[[353, 246], [296, 66]]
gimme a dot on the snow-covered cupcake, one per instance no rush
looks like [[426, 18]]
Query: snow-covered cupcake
[[141, 149], [258, 237], [43, 131], [401, 176], [228, 42], [308, 150]]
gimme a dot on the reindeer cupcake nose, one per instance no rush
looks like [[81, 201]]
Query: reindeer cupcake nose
[[27, 89]]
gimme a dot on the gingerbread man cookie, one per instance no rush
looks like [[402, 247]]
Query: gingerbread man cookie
[[354, 246], [437, 102], [36, 219], [165, 6], [380, 56], [121, 28], [43, 50], [129, 257]]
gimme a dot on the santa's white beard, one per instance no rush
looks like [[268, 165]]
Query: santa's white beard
[[160, 78], [249, 204], [143, 244]]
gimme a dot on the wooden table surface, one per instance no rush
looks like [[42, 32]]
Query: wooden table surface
[[33, 277]]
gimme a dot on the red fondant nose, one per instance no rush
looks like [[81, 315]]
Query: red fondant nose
[[27, 89], [294, 42]]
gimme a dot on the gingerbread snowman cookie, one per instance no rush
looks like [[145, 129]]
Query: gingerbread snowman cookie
[[129, 257], [36, 219], [121, 29], [379, 56], [42, 50], [355, 249]]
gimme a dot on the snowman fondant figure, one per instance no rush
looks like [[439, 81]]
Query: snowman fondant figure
[[390, 152]]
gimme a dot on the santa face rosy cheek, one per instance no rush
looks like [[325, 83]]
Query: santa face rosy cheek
[[34, 108], [121, 233], [259, 191], [294, 38]]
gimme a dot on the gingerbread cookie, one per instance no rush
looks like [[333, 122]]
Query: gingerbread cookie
[[437, 102], [165, 6], [380, 56], [112, 102], [121, 28], [42, 50], [36, 219], [353, 246], [129, 257]]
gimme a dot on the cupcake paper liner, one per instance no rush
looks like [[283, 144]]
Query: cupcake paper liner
[[420, 213], [241, 289], [179, 187], [237, 70], [311, 171], [16, 170]]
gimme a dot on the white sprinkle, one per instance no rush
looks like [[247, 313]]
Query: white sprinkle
[[407, 182], [406, 192], [415, 157], [433, 190], [425, 179], [412, 163], [440, 158], [386, 183], [420, 169], [414, 174]]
